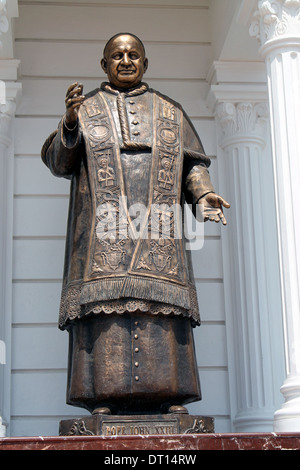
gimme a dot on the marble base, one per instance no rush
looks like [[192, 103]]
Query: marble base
[[183, 444], [136, 425]]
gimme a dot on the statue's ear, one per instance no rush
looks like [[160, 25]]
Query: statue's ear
[[104, 65], [145, 64]]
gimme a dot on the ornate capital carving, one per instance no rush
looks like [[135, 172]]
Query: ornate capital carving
[[275, 19], [7, 112], [4, 23], [242, 119]]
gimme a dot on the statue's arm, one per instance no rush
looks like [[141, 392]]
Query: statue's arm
[[196, 178], [62, 151], [197, 185]]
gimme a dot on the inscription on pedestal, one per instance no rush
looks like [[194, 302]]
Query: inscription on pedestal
[[141, 425], [137, 428]]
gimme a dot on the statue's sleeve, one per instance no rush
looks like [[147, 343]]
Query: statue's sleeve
[[196, 178], [62, 151]]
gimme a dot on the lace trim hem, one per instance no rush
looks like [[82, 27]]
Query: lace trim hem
[[71, 309]]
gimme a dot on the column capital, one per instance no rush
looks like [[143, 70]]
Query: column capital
[[242, 121], [8, 11], [241, 109], [9, 96], [236, 82], [276, 23], [7, 112], [4, 24]]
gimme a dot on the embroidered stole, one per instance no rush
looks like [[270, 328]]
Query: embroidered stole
[[151, 266]]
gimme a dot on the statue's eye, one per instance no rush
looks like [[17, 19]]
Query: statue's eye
[[117, 56]]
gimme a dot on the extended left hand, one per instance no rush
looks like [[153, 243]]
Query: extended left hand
[[211, 208]]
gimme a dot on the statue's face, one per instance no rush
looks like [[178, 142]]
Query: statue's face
[[124, 62]]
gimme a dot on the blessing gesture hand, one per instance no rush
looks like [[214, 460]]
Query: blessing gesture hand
[[211, 208], [73, 101]]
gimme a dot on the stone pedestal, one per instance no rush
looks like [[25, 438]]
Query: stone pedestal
[[136, 425], [156, 446]]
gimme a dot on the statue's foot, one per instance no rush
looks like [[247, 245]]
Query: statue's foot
[[102, 410], [177, 409]]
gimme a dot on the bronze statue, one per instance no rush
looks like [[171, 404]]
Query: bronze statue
[[128, 299]]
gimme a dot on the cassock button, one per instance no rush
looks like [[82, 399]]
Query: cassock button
[[137, 378], [136, 133], [135, 122], [136, 350], [135, 336]]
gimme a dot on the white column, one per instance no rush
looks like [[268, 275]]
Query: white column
[[248, 281], [277, 26], [7, 112], [9, 95], [5, 256]]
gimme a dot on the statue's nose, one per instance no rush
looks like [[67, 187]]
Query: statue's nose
[[126, 59]]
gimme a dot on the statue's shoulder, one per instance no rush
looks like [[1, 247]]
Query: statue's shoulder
[[166, 98]]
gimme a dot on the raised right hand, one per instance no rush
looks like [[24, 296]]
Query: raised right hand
[[73, 101]]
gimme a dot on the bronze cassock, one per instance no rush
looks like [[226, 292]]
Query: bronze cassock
[[128, 300]]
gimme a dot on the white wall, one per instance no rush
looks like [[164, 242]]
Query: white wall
[[57, 43]]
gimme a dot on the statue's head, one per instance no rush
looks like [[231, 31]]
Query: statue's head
[[124, 60]]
